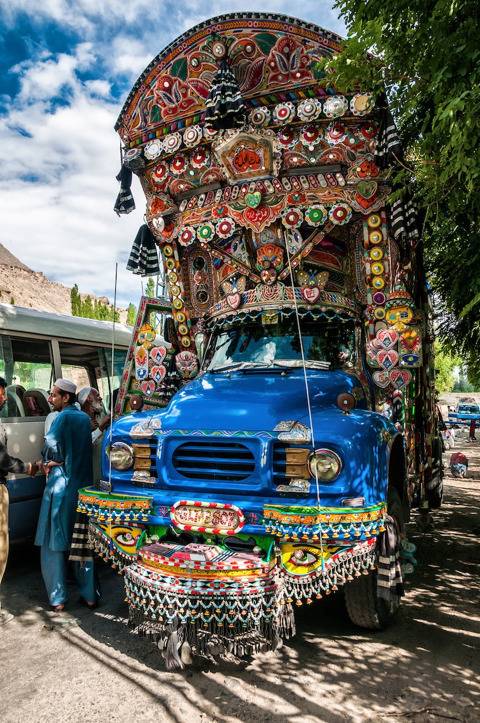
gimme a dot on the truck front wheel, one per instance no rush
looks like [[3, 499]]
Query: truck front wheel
[[364, 607]]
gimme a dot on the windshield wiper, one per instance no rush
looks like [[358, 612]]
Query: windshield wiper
[[241, 366]]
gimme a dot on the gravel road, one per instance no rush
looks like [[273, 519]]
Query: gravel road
[[86, 667]]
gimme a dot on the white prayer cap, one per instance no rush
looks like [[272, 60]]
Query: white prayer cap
[[82, 395], [65, 385]]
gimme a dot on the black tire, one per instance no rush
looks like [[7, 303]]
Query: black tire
[[364, 607]]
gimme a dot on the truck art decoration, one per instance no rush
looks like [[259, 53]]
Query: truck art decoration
[[276, 416]]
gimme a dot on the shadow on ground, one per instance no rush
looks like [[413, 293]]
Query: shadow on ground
[[422, 668]]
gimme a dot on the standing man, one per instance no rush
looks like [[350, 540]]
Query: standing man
[[15, 466], [67, 461], [92, 404]]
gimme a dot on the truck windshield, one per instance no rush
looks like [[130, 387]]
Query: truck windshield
[[326, 344], [468, 409]]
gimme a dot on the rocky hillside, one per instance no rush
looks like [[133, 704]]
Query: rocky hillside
[[21, 286]]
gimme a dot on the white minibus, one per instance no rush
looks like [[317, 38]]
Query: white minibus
[[36, 348]]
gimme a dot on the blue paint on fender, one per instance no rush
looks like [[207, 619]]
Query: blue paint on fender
[[245, 407]]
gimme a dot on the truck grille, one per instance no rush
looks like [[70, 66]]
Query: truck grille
[[214, 459], [279, 464]]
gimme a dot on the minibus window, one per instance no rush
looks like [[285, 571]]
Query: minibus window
[[90, 366], [27, 367]]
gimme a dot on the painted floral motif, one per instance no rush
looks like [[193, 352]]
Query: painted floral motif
[[225, 227], [172, 142], [309, 109], [173, 96], [283, 112], [287, 62], [316, 215], [362, 104], [335, 106], [205, 231], [340, 214], [310, 136], [178, 164], [259, 117], [159, 175], [286, 137], [292, 218], [335, 133], [192, 136], [200, 158], [186, 236], [153, 149]]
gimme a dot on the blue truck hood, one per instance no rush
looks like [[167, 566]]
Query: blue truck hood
[[254, 400]]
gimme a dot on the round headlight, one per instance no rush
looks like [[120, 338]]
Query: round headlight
[[324, 464], [121, 455]]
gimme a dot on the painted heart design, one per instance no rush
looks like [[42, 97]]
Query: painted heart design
[[387, 358], [381, 379], [400, 378], [310, 293], [375, 344], [158, 373], [148, 387], [253, 200], [387, 338], [233, 300], [367, 189], [158, 354]]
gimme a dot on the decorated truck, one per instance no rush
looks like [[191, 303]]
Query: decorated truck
[[275, 423]]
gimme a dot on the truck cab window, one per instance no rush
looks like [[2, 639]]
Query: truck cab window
[[327, 345]]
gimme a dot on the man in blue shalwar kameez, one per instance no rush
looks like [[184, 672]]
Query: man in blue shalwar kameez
[[67, 460]]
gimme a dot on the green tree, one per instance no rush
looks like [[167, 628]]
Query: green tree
[[75, 301], [445, 365], [150, 288], [87, 308], [131, 314], [426, 55]]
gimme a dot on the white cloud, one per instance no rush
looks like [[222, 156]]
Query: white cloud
[[63, 223], [101, 88], [60, 152]]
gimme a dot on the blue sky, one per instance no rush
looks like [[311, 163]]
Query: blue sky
[[66, 67]]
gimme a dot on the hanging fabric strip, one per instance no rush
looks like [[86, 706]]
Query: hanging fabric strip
[[389, 146], [124, 202], [143, 258], [389, 573], [403, 221], [225, 105], [79, 549]]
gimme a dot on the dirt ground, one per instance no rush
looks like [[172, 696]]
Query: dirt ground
[[87, 667]]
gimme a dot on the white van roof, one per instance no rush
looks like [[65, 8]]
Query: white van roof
[[29, 321]]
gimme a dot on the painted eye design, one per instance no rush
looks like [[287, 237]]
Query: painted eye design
[[124, 538], [303, 557]]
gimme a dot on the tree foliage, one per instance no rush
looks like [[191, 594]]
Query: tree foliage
[[89, 308], [131, 314], [426, 55], [445, 365]]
